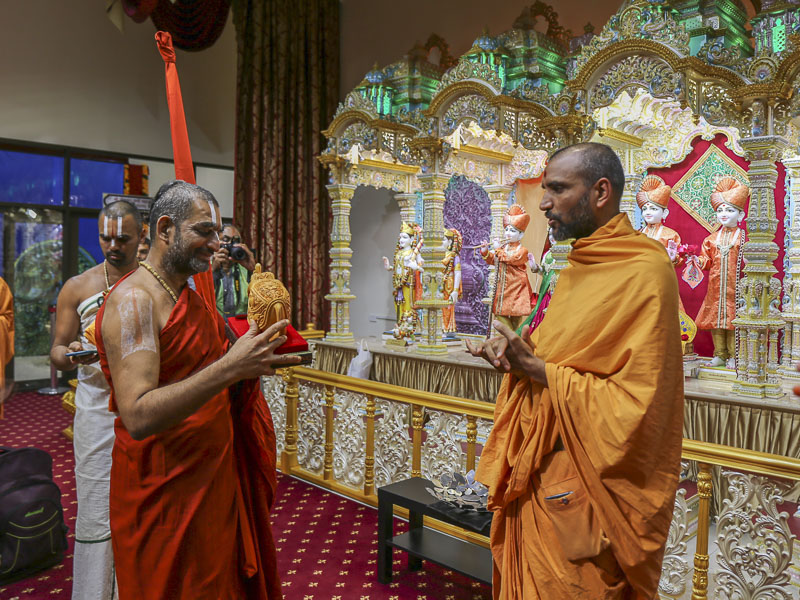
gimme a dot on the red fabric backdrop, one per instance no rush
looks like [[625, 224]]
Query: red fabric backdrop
[[692, 232]]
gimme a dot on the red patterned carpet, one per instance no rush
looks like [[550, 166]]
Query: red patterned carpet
[[327, 545]]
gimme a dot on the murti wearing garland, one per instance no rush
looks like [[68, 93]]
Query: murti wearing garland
[[721, 254], [451, 284]]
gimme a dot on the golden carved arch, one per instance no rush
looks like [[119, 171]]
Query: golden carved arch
[[599, 64], [442, 101], [345, 119]]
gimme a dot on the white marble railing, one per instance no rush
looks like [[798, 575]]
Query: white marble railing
[[353, 436]]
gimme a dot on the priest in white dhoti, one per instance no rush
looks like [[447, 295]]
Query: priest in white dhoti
[[120, 231]]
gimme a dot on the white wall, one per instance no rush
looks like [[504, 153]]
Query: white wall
[[70, 77], [219, 181], [374, 224]]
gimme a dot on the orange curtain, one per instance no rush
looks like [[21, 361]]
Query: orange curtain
[[287, 92], [182, 154]]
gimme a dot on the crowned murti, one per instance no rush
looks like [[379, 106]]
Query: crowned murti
[[406, 269], [451, 281], [721, 255], [653, 200]]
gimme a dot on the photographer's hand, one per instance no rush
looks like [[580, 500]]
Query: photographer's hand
[[220, 259], [249, 262]]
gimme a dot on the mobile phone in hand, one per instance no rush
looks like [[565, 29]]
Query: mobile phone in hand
[[81, 353]]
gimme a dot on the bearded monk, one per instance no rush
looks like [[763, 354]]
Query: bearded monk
[[582, 462], [189, 505]]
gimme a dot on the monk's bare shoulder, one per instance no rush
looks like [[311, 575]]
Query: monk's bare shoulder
[[139, 292]]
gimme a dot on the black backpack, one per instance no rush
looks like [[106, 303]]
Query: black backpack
[[33, 536]]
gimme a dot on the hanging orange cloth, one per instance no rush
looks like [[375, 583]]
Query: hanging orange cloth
[[181, 152], [590, 521], [227, 475], [6, 335]]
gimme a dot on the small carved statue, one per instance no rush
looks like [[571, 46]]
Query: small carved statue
[[512, 297], [406, 327], [407, 269], [269, 300], [721, 256], [451, 282]]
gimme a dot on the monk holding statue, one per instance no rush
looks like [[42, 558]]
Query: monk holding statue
[[512, 296]]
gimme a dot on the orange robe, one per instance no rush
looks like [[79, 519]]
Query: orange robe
[[720, 255], [664, 235], [512, 296], [614, 399], [6, 332], [452, 265], [189, 506]]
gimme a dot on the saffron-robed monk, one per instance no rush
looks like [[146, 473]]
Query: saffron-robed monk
[[193, 474], [583, 460]]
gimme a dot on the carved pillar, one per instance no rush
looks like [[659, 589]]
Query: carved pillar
[[498, 195], [758, 317], [408, 207], [340, 297], [791, 281], [633, 180], [627, 203], [560, 251], [433, 186], [701, 559]]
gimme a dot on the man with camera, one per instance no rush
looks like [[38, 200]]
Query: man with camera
[[232, 265]]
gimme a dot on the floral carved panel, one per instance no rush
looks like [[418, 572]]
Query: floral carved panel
[[652, 74], [467, 208], [754, 540], [311, 427], [274, 389], [392, 442], [442, 451], [349, 439]]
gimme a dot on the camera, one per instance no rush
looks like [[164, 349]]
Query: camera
[[237, 253]]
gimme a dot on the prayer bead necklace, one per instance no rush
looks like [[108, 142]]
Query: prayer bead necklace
[[160, 280], [105, 272]]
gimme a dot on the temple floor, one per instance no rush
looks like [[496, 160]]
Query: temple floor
[[327, 544]]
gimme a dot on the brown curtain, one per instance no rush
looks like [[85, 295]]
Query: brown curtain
[[287, 92]]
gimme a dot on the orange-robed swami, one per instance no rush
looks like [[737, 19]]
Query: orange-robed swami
[[189, 506], [512, 297], [611, 345]]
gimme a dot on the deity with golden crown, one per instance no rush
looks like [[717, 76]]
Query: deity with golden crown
[[451, 282], [406, 269]]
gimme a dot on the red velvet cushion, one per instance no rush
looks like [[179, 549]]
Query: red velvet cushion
[[294, 341]]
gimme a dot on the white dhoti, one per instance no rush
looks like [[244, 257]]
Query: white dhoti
[[93, 568]]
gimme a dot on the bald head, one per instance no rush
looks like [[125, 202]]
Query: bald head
[[582, 188], [122, 208], [595, 162]]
